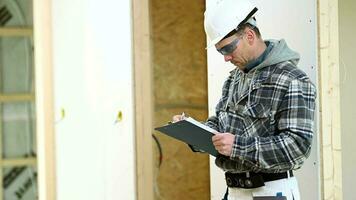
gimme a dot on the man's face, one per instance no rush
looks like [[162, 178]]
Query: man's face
[[234, 49]]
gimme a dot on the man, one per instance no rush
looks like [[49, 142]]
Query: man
[[265, 116]]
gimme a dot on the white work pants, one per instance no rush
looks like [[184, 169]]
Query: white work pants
[[287, 186]]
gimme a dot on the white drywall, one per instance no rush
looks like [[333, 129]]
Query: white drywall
[[93, 81], [347, 32], [294, 21]]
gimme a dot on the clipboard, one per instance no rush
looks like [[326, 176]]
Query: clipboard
[[191, 132]]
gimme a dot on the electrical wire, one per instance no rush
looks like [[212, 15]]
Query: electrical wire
[[156, 186], [159, 150]]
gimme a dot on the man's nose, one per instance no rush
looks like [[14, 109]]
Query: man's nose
[[227, 58]]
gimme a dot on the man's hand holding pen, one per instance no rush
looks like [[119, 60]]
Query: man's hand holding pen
[[222, 141], [177, 118]]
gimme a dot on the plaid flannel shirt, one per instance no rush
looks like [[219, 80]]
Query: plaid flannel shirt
[[274, 131]]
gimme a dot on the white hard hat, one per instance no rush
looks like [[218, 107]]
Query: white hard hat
[[226, 15]]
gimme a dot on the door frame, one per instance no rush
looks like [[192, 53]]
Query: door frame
[[329, 100], [143, 99], [42, 28]]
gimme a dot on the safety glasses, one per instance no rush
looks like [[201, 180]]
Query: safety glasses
[[229, 48]]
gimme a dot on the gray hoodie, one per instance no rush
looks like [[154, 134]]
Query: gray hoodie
[[276, 52]]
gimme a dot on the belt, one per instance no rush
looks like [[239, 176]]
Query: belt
[[253, 180]]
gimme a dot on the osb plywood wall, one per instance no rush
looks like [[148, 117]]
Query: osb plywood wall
[[180, 84]]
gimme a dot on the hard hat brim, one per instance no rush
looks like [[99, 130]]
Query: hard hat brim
[[214, 42]]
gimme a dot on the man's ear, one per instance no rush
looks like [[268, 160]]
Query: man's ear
[[250, 36]]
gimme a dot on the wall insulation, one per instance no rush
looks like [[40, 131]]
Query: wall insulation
[[17, 112], [180, 84]]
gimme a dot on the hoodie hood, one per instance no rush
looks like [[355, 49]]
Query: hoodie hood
[[280, 53]]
